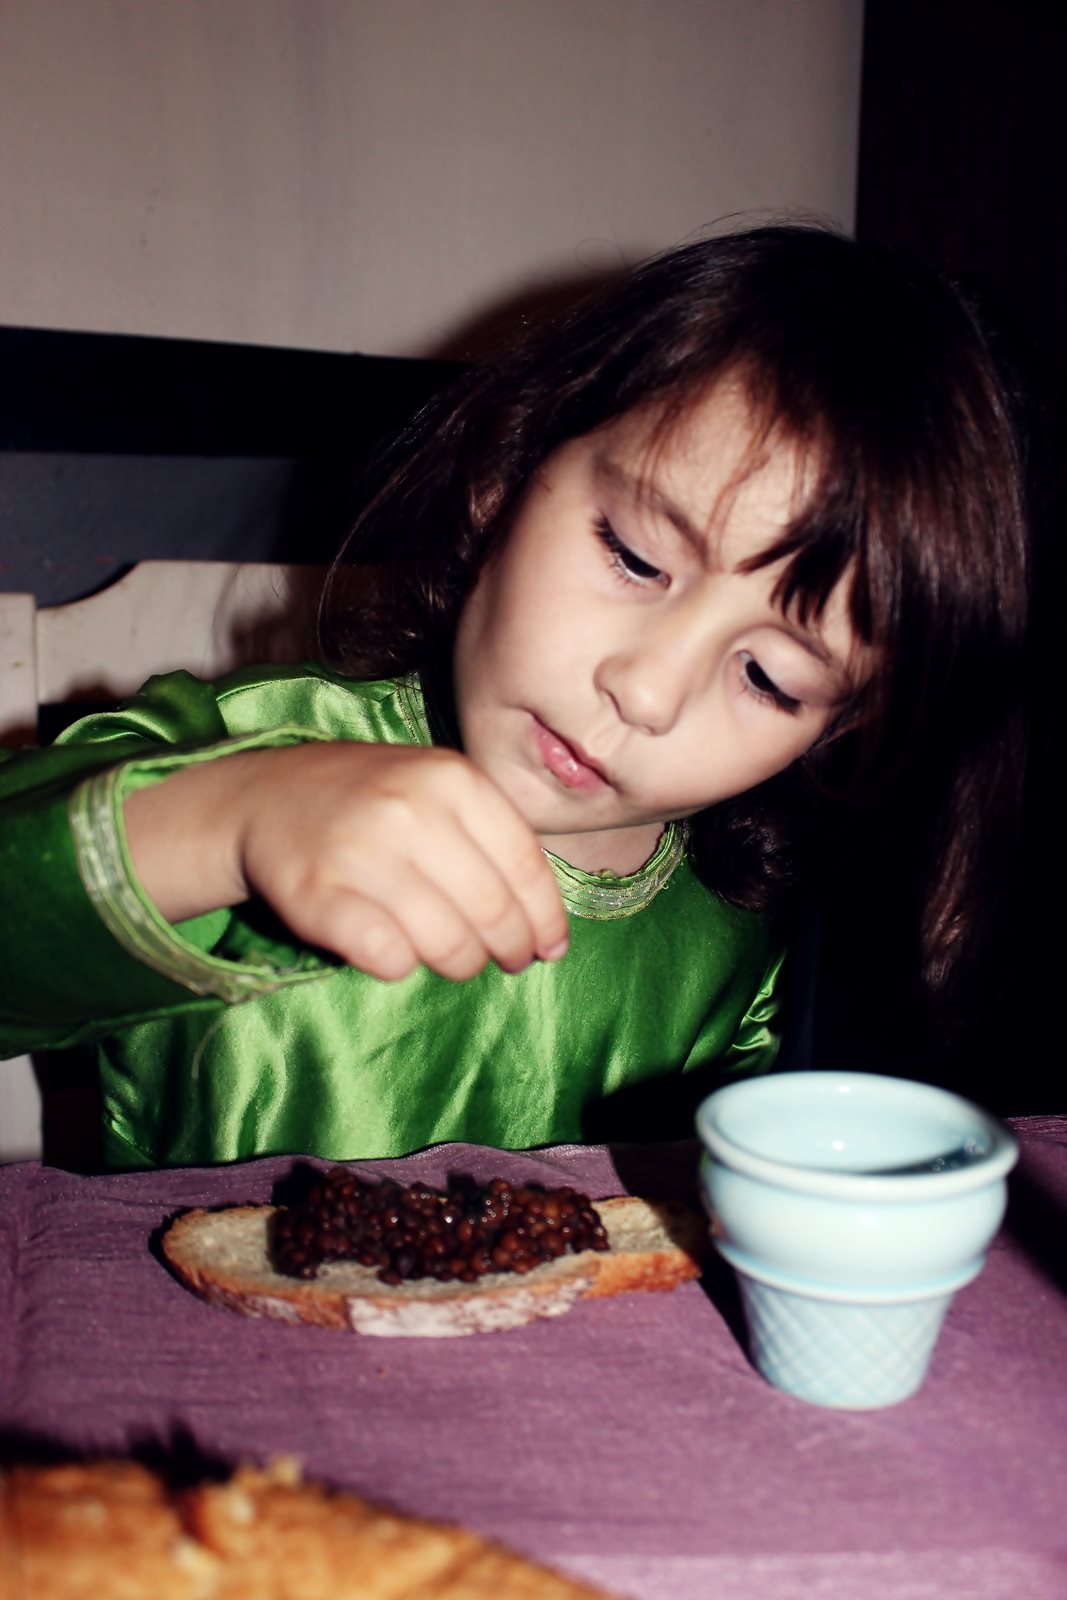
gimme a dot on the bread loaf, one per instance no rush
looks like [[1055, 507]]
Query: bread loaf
[[223, 1256], [113, 1530]]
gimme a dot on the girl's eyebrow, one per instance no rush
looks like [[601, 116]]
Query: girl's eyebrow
[[644, 493], [641, 492]]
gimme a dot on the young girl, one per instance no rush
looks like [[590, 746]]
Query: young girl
[[729, 550]]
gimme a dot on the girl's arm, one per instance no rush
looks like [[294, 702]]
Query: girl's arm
[[388, 856]]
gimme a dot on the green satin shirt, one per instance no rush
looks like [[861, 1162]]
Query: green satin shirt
[[222, 1038]]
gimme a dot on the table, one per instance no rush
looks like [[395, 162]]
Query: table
[[629, 1442]]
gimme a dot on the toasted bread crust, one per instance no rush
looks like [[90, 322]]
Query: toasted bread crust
[[676, 1260], [66, 1531], [222, 1256]]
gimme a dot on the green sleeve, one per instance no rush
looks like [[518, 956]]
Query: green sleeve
[[82, 949], [758, 1038]]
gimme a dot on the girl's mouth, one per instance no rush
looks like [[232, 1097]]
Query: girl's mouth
[[567, 764]]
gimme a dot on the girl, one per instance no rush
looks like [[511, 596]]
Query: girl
[[668, 590]]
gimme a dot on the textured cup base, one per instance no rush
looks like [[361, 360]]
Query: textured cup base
[[835, 1353]]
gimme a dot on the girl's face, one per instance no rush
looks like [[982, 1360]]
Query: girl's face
[[614, 666]]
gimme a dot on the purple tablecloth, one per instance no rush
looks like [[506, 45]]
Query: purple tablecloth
[[629, 1442]]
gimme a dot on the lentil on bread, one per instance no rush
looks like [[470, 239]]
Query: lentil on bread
[[413, 1232]]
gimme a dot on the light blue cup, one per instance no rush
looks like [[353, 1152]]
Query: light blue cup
[[851, 1207]]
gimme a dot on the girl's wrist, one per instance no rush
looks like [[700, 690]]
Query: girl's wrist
[[183, 836]]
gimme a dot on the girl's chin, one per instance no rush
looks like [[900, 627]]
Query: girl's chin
[[619, 851], [567, 823]]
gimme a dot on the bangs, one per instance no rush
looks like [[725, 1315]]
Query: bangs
[[825, 540], [827, 544]]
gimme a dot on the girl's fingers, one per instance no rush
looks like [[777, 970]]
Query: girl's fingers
[[450, 909], [361, 932], [420, 925], [444, 936], [395, 856], [505, 842], [476, 853], [463, 913]]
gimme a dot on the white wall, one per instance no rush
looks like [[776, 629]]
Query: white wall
[[374, 174]]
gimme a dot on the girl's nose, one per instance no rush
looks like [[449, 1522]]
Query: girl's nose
[[648, 686]]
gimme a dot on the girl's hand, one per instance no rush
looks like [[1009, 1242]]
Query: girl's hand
[[388, 855]]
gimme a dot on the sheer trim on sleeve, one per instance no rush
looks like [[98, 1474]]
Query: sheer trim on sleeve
[[98, 831]]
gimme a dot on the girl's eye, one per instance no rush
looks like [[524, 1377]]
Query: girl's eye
[[758, 683], [625, 562]]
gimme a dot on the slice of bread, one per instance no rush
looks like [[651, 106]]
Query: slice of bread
[[223, 1257], [111, 1528]]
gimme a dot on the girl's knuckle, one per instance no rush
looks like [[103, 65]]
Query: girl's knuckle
[[492, 908], [456, 949], [380, 949], [464, 967], [532, 871], [393, 810]]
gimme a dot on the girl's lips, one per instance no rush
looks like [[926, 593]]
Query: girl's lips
[[566, 764]]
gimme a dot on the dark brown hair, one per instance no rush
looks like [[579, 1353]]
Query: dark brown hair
[[880, 373]]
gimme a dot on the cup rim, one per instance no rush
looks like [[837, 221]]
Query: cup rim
[[859, 1294], [904, 1188]]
